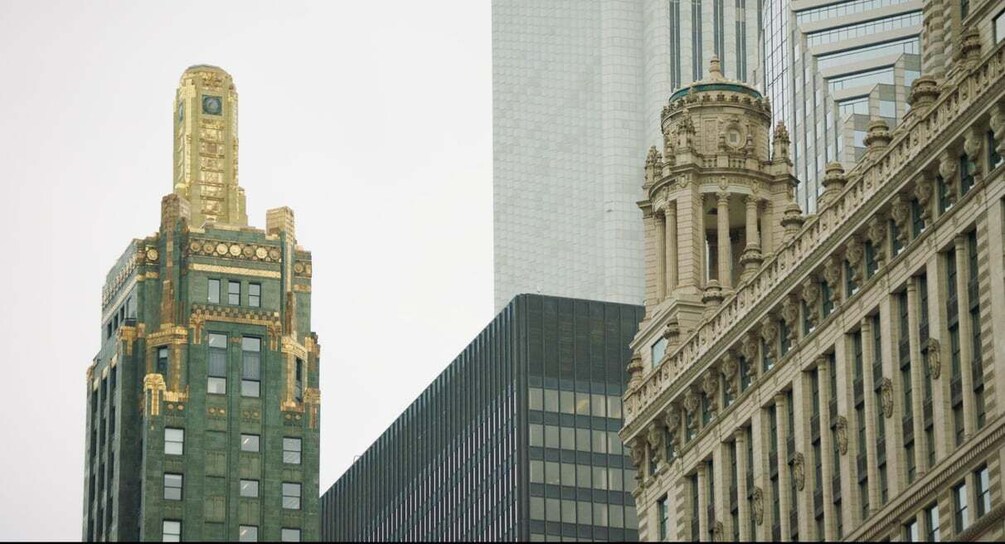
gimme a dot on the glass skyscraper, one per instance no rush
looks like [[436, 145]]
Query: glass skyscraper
[[830, 68], [516, 440]]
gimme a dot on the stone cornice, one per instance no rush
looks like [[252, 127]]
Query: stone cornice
[[869, 185]]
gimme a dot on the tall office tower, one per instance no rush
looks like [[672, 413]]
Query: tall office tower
[[830, 68], [516, 440], [577, 91], [202, 419], [847, 387]]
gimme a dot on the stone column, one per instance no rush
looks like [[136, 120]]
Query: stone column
[[891, 370], [766, 239], [917, 379], [941, 407], [660, 257], [966, 345], [743, 506], [703, 520], [785, 499], [721, 490], [826, 449], [691, 241], [725, 262], [868, 395], [671, 247]]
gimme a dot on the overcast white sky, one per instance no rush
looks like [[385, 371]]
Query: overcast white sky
[[371, 119]]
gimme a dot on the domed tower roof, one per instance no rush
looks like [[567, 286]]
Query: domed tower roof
[[715, 82]]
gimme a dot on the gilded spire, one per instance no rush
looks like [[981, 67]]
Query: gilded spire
[[205, 147]]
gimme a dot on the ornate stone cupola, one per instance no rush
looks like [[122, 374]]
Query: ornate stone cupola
[[717, 201]]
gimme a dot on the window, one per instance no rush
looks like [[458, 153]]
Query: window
[[249, 533], [250, 442], [982, 480], [291, 451], [162, 362], [249, 488], [911, 531], [961, 514], [172, 486], [172, 531], [291, 496], [932, 521], [255, 295], [298, 389], [290, 535], [174, 441], [234, 293], [217, 368], [999, 23], [213, 291], [251, 367], [664, 518], [658, 351]]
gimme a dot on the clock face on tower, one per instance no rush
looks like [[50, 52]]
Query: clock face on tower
[[211, 105]]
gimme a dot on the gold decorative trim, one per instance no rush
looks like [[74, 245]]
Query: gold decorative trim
[[201, 314], [297, 288], [199, 267], [290, 345], [234, 250], [153, 388]]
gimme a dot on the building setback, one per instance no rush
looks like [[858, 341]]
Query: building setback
[[516, 440], [202, 412], [577, 89], [845, 386]]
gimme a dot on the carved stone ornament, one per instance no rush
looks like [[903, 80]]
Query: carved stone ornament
[[638, 453], [854, 252], [690, 403], [749, 350], [841, 434], [932, 358], [654, 437], [799, 471], [832, 274], [877, 235], [758, 506], [710, 386], [718, 532], [886, 396], [972, 143], [672, 422], [900, 212], [923, 188], [728, 368], [998, 127], [790, 313], [635, 372], [769, 332], [948, 168]]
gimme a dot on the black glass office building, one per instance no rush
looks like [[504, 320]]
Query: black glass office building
[[515, 440]]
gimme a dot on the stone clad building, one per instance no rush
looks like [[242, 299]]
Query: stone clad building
[[831, 376], [203, 401]]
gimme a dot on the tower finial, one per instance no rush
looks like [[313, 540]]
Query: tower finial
[[715, 68]]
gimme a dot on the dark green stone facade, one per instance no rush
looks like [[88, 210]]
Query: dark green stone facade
[[153, 377]]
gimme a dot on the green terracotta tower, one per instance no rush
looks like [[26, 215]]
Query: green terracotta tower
[[203, 402]]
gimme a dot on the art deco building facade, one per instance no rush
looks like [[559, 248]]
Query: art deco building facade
[[837, 375], [516, 440], [202, 411], [577, 88]]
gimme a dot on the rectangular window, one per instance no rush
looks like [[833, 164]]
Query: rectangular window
[[234, 293], [248, 533], [255, 295], [251, 366], [664, 513], [174, 441], [850, 286], [291, 450], [911, 531], [213, 291], [932, 523], [162, 362], [964, 8], [945, 199], [298, 389], [999, 24], [249, 488], [291, 496], [217, 368], [658, 350], [172, 487], [982, 481], [172, 531], [290, 535], [961, 515], [250, 442]]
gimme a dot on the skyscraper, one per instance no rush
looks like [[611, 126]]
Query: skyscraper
[[203, 401], [832, 67], [516, 440], [847, 386], [578, 87]]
